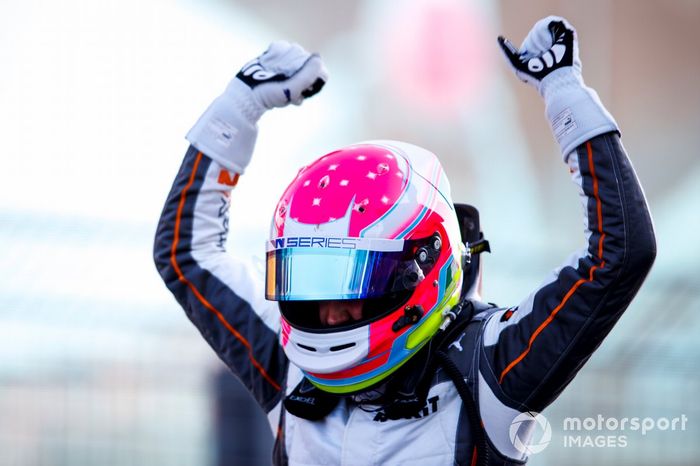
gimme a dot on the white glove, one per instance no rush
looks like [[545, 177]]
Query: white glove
[[285, 73], [548, 60]]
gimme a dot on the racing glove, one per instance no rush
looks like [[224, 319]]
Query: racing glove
[[548, 59], [285, 73]]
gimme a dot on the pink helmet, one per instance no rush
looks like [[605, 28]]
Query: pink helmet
[[372, 221]]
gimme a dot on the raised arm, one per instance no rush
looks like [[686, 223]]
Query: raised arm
[[224, 297], [531, 352]]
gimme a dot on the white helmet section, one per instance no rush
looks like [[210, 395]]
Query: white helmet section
[[426, 173], [422, 161], [427, 166], [324, 353]]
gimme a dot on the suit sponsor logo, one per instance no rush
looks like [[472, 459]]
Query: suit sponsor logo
[[222, 214], [431, 406], [228, 178], [309, 400], [508, 314]]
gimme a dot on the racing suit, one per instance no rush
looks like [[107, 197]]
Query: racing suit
[[513, 359]]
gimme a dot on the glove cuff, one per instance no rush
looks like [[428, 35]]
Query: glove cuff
[[244, 100], [574, 111], [227, 130]]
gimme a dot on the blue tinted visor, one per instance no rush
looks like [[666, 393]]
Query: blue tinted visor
[[309, 269]]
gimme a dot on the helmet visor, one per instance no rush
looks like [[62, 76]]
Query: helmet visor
[[341, 268]]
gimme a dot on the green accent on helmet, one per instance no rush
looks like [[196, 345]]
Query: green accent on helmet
[[425, 330]]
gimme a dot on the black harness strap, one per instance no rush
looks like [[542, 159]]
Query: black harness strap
[[473, 412]]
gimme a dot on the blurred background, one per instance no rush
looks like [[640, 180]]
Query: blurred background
[[98, 364]]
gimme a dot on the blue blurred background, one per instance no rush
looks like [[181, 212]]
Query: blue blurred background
[[98, 364]]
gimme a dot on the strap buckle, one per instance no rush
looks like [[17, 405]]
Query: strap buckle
[[477, 247]]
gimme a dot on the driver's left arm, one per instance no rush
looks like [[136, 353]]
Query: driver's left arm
[[530, 352]]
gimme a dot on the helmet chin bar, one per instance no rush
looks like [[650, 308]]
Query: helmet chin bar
[[327, 353]]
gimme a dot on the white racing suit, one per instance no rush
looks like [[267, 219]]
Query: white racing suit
[[513, 359]]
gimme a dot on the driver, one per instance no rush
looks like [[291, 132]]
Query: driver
[[366, 341]]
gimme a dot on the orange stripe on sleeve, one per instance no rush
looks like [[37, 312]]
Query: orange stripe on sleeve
[[599, 205], [196, 292], [576, 285]]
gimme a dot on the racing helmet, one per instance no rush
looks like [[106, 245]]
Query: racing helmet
[[373, 222]]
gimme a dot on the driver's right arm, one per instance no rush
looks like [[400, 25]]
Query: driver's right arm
[[223, 297]]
